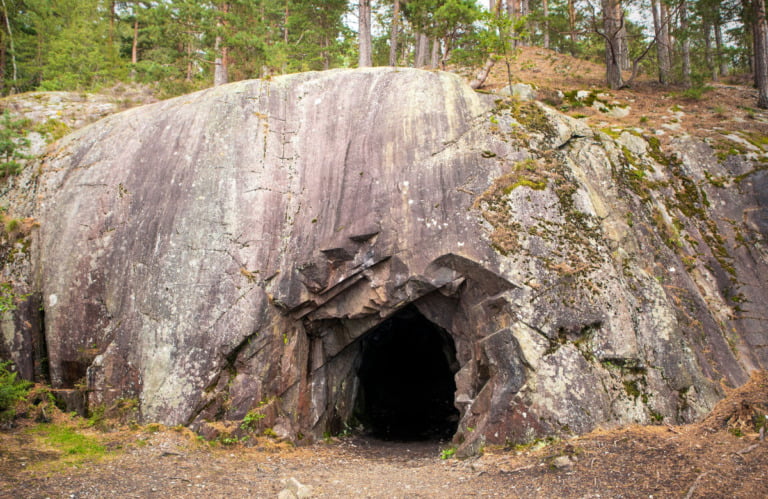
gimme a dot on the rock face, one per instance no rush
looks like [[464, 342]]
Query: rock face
[[250, 250]]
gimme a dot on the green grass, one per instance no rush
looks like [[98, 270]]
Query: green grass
[[74, 447]]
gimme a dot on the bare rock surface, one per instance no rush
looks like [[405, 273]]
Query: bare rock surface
[[240, 253]]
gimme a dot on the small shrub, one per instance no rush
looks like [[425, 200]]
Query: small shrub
[[9, 299], [250, 420], [269, 432], [448, 453], [12, 140], [696, 92], [52, 129], [11, 391], [98, 418]]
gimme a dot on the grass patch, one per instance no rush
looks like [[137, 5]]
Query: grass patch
[[696, 92], [72, 446]]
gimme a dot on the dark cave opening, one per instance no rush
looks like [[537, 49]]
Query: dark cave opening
[[406, 377]]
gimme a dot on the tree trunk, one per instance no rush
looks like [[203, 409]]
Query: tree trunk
[[393, 34], [135, 44], [3, 61], [623, 42], [708, 52], [525, 9], [112, 16], [545, 8], [220, 76], [434, 61], [760, 40], [686, 44], [135, 47], [572, 26], [612, 24], [366, 56], [12, 49], [513, 11], [189, 61], [482, 75], [326, 53], [661, 30], [665, 44], [722, 63], [422, 46], [287, 12]]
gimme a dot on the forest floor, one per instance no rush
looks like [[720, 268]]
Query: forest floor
[[708, 111], [722, 456]]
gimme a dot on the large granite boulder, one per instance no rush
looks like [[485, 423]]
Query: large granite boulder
[[386, 247]]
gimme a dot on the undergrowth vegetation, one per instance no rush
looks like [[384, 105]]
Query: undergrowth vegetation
[[12, 390]]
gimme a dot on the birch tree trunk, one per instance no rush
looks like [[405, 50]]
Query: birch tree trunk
[[686, 44], [220, 76], [365, 59], [661, 30], [708, 52], [665, 45]]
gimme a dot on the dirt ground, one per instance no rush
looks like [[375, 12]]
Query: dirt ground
[[667, 111], [722, 456]]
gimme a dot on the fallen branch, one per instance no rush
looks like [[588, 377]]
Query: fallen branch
[[522, 468], [694, 485], [669, 428], [747, 450]]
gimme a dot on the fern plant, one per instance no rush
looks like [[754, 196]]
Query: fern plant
[[11, 391]]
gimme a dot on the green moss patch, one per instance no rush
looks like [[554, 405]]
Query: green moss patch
[[493, 202]]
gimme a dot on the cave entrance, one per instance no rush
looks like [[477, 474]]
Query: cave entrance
[[406, 377]]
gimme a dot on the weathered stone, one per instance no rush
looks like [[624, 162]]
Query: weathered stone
[[522, 91], [233, 250], [295, 489], [563, 463]]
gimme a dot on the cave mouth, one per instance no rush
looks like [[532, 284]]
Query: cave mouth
[[407, 382]]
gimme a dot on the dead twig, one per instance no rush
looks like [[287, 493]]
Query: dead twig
[[522, 468], [747, 450], [695, 484], [669, 428]]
